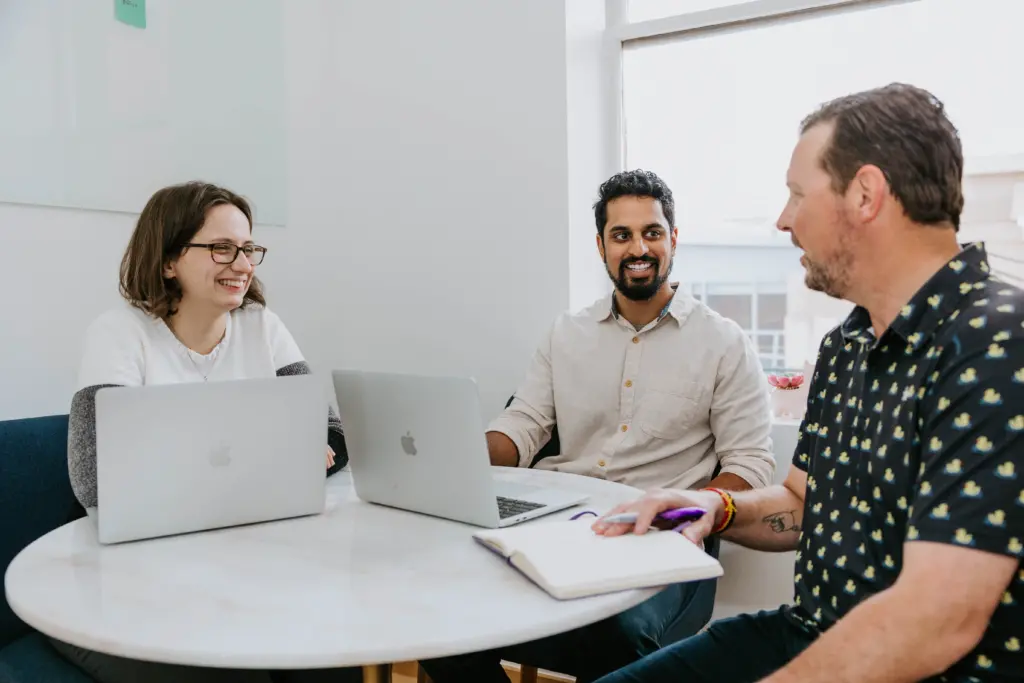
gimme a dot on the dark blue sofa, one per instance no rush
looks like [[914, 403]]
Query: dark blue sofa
[[35, 498]]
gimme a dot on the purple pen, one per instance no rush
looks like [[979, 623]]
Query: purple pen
[[687, 514], [683, 514]]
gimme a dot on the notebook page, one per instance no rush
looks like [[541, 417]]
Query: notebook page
[[571, 554]]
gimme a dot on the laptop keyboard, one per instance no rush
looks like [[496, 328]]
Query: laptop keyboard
[[510, 507]]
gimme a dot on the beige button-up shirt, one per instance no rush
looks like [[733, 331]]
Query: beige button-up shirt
[[656, 407]]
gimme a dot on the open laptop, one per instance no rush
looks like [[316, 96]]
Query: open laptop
[[177, 458], [417, 443]]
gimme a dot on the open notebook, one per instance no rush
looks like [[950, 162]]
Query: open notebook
[[568, 560]]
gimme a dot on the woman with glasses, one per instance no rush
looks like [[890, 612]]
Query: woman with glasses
[[193, 311]]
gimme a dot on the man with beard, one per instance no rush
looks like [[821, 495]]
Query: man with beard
[[649, 388], [904, 504]]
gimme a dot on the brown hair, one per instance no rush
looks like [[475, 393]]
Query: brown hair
[[170, 220], [904, 131]]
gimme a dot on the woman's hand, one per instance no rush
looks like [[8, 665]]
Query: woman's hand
[[659, 500], [330, 457]]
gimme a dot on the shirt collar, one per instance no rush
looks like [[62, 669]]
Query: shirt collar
[[678, 307], [936, 300]]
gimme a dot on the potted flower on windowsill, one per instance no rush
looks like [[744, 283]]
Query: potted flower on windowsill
[[789, 395]]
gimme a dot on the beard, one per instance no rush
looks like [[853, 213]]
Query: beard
[[639, 291], [830, 276], [830, 279]]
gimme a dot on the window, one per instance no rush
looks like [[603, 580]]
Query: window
[[739, 307], [759, 308], [716, 114]]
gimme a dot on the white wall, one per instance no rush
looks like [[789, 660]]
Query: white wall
[[58, 269], [592, 95], [427, 198]]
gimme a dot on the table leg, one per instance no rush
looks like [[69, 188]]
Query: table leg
[[377, 673]]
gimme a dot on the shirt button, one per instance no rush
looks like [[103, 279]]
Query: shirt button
[[629, 383], [625, 427], [636, 340], [600, 463]]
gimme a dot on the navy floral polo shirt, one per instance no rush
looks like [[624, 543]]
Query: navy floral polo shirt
[[917, 435]]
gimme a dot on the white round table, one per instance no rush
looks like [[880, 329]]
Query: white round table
[[359, 585]]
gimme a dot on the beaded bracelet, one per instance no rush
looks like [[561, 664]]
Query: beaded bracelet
[[730, 510]]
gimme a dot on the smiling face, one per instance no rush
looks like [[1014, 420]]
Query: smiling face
[[637, 246], [205, 283], [817, 218]]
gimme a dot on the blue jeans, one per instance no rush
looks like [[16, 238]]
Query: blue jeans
[[739, 649], [591, 651]]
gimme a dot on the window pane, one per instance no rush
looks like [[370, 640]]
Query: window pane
[[771, 311], [642, 10], [771, 350], [733, 306], [722, 137], [769, 343]]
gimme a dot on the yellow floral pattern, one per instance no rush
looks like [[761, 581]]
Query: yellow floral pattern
[[918, 435]]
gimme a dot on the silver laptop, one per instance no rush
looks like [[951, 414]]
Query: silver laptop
[[177, 458], [417, 443]]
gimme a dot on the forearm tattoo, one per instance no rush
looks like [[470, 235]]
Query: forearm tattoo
[[781, 522]]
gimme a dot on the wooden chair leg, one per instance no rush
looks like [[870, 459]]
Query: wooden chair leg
[[527, 674], [377, 673], [421, 675]]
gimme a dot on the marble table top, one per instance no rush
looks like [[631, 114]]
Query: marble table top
[[360, 584]]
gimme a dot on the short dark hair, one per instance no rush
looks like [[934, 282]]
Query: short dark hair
[[904, 131], [636, 183], [169, 221]]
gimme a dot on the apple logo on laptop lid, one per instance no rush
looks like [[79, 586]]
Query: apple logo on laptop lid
[[409, 444], [220, 455]]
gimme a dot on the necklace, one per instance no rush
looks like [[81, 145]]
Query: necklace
[[209, 361], [206, 375]]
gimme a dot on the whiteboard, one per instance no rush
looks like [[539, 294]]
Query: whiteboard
[[95, 114]]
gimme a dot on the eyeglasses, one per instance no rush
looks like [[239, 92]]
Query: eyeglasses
[[225, 252]]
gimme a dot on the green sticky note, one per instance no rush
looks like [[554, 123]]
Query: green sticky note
[[131, 12]]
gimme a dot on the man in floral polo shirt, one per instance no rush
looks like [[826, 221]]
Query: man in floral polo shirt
[[905, 502]]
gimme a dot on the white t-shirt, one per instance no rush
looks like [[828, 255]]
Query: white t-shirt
[[128, 347]]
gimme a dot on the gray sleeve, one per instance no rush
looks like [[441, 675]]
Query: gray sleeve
[[335, 434], [82, 444]]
